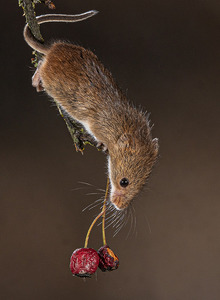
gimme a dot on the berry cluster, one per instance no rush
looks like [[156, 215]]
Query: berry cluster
[[85, 261]]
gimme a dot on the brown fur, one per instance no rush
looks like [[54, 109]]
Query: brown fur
[[76, 79]]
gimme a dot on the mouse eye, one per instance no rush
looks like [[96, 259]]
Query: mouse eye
[[124, 182]]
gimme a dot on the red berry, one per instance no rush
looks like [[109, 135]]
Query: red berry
[[108, 260], [84, 262]]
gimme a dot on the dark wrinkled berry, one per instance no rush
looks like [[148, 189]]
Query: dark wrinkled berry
[[108, 261], [84, 262]]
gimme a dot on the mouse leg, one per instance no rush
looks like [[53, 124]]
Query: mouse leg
[[99, 145], [36, 79]]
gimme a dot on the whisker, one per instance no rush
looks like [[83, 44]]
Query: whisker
[[95, 205], [120, 217], [135, 221], [108, 211], [86, 183], [101, 190], [114, 215], [117, 221], [118, 229], [76, 189], [112, 221], [148, 224], [113, 209], [131, 217], [106, 218], [121, 223], [121, 220], [89, 194], [145, 218], [96, 202], [110, 216], [124, 218], [106, 221]]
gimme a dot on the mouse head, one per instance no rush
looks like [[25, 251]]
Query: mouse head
[[130, 163]]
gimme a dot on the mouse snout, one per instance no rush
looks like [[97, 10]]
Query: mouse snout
[[118, 199]]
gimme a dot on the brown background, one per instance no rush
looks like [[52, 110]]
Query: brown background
[[165, 55]]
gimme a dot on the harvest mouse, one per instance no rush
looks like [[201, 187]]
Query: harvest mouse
[[86, 91]]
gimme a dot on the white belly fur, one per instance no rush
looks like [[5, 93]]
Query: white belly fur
[[88, 129]]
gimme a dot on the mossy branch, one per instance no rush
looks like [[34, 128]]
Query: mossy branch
[[77, 132]]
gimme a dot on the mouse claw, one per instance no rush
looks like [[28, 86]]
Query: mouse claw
[[102, 147]]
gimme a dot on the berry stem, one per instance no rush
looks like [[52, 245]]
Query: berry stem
[[103, 216], [90, 228], [102, 213]]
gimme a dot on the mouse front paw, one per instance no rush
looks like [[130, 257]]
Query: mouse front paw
[[102, 147], [36, 79]]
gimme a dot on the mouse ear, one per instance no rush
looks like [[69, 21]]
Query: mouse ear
[[155, 144]]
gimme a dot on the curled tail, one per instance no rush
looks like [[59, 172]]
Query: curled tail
[[40, 47]]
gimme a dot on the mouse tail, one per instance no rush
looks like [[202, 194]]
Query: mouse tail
[[39, 46]]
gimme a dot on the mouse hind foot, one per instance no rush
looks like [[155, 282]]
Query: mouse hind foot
[[36, 80]]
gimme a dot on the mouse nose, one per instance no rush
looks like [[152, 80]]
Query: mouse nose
[[119, 201]]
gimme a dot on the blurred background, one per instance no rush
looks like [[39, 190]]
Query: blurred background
[[165, 56]]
